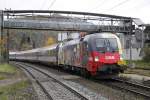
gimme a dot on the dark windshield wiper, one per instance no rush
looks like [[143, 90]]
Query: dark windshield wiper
[[112, 49], [101, 49]]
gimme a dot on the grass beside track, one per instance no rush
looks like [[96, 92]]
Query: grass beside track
[[7, 68], [141, 68], [12, 91], [14, 85], [140, 64]]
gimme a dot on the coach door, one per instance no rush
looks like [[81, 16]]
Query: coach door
[[60, 54], [84, 53]]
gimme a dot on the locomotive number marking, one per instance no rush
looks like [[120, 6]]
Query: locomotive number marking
[[109, 57]]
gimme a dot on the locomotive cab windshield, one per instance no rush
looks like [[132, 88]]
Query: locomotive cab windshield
[[106, 45]]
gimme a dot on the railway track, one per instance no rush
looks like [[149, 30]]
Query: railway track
[[31, 70], [137, 89], [121, 84], [37, 81]]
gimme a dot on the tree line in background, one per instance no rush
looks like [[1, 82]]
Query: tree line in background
[[146, 48], [29, 39]]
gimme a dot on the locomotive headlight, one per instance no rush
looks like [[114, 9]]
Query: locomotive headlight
[[121, 61], [121, 56], [96, 59]]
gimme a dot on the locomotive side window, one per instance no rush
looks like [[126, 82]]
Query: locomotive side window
[[84, 53], [85, 48]]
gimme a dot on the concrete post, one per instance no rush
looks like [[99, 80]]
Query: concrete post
[[130, 34]]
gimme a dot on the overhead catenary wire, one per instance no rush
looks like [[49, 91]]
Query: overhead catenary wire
[[116, 6], [43, 4], [52, 3]]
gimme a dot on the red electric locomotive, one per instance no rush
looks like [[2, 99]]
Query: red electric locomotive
[[93, 54]]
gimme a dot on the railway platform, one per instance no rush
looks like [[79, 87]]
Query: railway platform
[[136, 77]]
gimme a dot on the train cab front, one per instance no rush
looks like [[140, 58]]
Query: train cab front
[[106, 56]]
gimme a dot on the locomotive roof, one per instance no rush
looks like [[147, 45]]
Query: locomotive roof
[[101, 35], [35, 50], [48, 47]]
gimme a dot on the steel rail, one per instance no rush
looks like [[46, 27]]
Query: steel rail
[[135, 85], [37, 81], [133, 91]]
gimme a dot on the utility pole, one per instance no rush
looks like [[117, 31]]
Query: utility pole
[[142, 45], [7, 42], [130, 42]]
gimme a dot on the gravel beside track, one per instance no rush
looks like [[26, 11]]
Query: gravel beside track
[[93, 96]]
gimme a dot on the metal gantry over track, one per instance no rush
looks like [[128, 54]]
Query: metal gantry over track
[[58, 21]]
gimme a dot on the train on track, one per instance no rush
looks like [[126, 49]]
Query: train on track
[[98, 54]]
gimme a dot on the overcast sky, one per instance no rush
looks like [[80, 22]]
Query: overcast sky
[[131, 8]]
